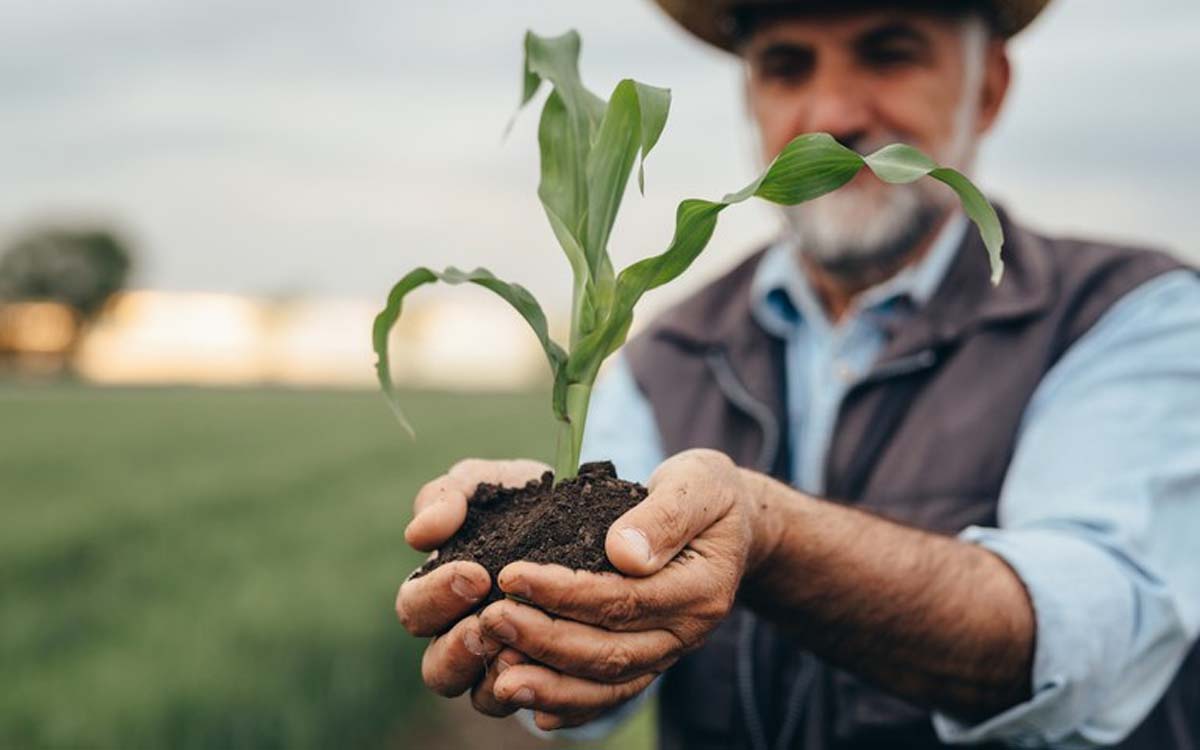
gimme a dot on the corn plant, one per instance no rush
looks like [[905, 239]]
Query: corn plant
[[588, 150]]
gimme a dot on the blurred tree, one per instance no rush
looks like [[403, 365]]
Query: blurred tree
[[78, 268]]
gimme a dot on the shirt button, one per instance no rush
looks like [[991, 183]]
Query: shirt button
[[845, 373]]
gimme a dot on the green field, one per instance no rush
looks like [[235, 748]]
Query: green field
[[217, 569]]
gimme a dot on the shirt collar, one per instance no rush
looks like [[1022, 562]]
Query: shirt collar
[[781, 295]]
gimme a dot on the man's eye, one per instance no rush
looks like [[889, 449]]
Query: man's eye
[[887, 57], [789, 69]]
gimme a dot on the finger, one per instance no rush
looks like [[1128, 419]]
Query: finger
[[543, 689], [455, 661], [548, 722], [578, 649], [689, 492], [686, 585], [438, 511], [471, 472], [440, 506], [432, 603], [482, 696]]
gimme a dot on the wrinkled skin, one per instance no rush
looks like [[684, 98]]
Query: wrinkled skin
[[589, 641]]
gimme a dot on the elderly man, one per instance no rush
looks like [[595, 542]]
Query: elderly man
[[903, 509]]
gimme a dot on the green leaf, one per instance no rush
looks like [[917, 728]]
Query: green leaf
[[980, 212], [582, 311], [564, 141], [632, 124], [808, 167], [654, 104], [556, 59], [570, 118], [515, 294], [899, 163]]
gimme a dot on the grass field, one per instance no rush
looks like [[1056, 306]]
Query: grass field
[[204, 569]]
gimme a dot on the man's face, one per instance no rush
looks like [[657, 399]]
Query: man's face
[[869, 79]]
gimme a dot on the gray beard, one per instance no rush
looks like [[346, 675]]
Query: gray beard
[[863, 242]]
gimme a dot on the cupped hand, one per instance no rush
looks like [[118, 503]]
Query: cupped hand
[[594, 640], [458, 656]]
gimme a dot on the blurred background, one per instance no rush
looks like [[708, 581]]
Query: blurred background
[[202, 206]]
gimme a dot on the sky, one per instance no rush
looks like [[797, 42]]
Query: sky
[[281, 148]]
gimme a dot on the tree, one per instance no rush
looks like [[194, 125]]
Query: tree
[[81, 268]]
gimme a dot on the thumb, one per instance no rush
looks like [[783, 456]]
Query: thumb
[[688, 493]]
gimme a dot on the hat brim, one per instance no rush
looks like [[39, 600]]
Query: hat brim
[[715, 21]]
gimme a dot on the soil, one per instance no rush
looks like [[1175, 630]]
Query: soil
[[539, 522]]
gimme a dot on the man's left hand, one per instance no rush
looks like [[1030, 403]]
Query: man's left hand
[[602, 638]]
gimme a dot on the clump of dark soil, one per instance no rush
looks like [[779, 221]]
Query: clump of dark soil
[[539, 522]]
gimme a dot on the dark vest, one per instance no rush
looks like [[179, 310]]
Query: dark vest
[[925, 439]]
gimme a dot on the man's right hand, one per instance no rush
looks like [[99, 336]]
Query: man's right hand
[[458, 656]]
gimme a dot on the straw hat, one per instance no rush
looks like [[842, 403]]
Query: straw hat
[[714, 21]]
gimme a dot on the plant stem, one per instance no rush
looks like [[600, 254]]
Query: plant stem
[[570, 433]]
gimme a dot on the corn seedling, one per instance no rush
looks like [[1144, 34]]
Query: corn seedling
[[589, 148]]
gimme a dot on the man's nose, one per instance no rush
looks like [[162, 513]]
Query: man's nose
[[839, 106]]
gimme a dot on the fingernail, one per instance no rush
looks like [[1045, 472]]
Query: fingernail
[[517, 587], [501, 665], [473, 643], [637, 542], [548, 722], [523, 696], [503, 629], [463, 586]]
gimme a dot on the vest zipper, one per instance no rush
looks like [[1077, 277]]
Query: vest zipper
[[744, 670], [737, 393]]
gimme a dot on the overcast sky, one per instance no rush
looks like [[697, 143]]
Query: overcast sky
[[284, 147]]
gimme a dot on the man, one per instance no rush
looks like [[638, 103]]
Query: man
[[1007, 552]]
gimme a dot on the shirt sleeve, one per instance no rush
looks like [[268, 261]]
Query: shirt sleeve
[[621, 429], [1099, 517]]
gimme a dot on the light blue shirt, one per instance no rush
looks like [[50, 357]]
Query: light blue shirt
[[1099, 514]]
